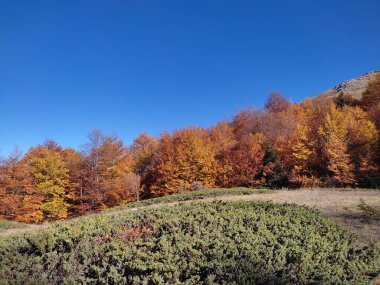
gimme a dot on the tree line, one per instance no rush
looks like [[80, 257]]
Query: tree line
[[319, 142]]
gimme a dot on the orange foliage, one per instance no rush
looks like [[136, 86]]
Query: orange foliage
[[185, 157], [19, 198], [318, 142]]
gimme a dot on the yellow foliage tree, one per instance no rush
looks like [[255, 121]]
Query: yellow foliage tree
[[362, 145], [335, 134], [362, 134], [51, 178], [302, 151]]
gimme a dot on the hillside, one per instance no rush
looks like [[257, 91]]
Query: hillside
[[354, 87], [226, 239], [342, 205]]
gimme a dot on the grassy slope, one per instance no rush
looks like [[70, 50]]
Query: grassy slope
[[190, 196], [340, 204], [11, 227]]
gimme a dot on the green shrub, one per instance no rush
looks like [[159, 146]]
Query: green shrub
[[196, 243], [369, 213]]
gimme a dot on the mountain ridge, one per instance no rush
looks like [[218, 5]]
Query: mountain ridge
[[355, 86]]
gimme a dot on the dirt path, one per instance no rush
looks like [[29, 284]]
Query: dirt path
[[341, 205]]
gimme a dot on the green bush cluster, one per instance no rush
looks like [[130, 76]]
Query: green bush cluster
[[369, 213], [196, 243]]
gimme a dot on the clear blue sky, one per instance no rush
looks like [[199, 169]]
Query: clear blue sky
[[128, 66]]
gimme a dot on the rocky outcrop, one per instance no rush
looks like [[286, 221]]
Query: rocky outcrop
[[355, 86]]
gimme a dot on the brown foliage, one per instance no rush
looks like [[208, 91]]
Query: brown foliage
[[128, 234], [108, 166], [277, 103], [143, 150], [242, 164], [371, 96]]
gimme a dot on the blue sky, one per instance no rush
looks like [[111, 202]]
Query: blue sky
[[128, 66]]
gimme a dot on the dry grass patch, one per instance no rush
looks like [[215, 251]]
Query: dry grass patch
[[340, 204]]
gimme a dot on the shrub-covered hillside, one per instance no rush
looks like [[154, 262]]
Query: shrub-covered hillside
[[197, 243]]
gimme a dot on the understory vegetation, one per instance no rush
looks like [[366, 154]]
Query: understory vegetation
[[197, 243]]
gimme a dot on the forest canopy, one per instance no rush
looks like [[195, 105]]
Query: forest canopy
[[326, 142]]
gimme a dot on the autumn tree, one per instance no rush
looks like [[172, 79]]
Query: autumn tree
[[339, 163], [222, 136], [106, 163], [368, 174], [11, 189], [143, 150], [336, 153], [373, 114], [50, 176], [313, 116], [277, 103], [362, 136], [242, 164], [181, 159], [344, 99], [371, 95], [248, 121], [75, 187], [302, 151], [121, 185], [277, 119], [19, 199], [128, 186], [362, 145]]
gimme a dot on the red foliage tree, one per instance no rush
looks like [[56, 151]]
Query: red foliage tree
[[242, 164]]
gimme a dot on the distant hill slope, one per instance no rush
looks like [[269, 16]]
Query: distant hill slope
[[355, 86]]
